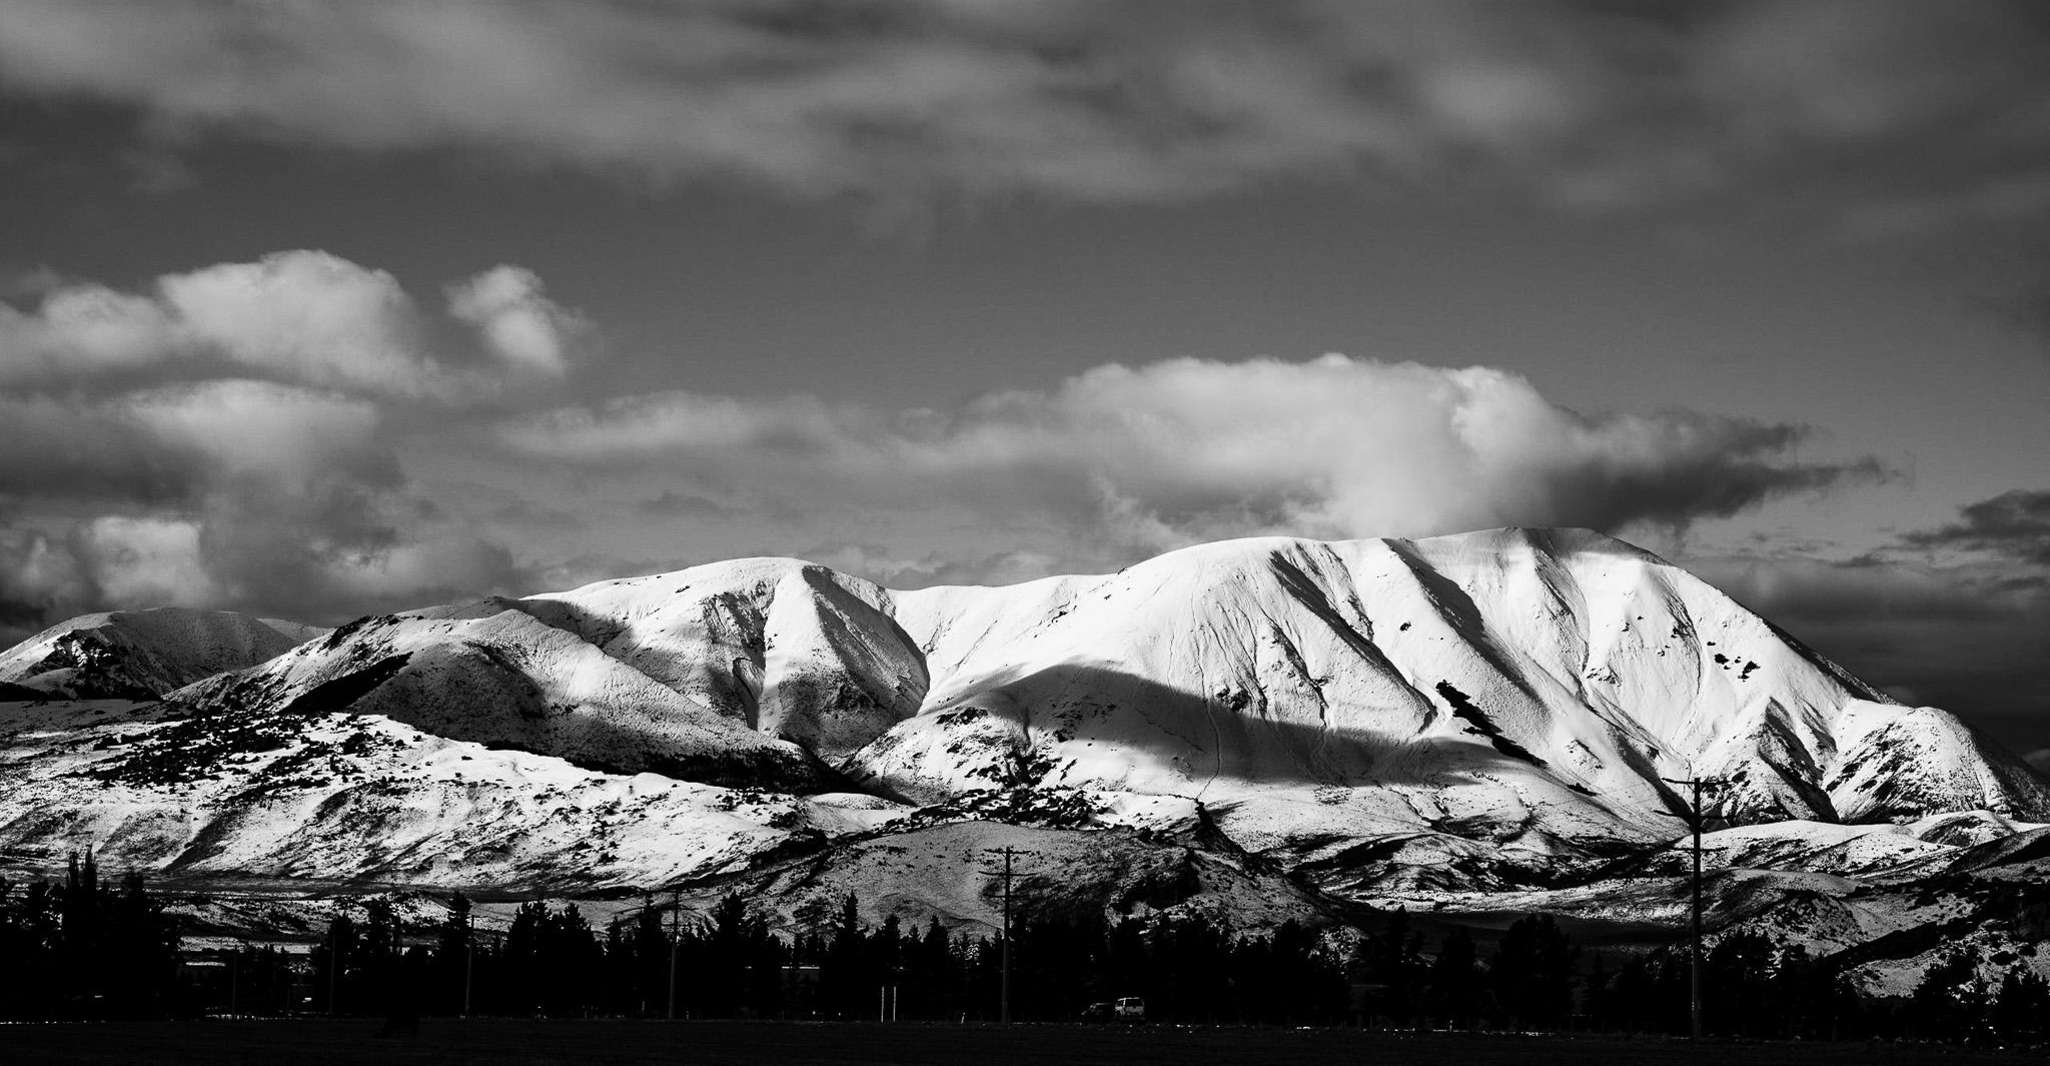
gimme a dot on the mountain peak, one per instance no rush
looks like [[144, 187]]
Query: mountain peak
[[1514, 697]]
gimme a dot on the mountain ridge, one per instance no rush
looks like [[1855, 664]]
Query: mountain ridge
[[1499, 707]]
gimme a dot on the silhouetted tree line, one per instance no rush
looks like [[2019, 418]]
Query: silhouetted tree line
[[552, 962], [86, 949], [1759, 989], [1188, 969]]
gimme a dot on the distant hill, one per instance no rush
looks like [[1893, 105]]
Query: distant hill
[[141, 655]]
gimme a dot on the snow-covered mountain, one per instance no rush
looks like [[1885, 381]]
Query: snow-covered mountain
[[1475, 712], [1525, 690], [143, 654]]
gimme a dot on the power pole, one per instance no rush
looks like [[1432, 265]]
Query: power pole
[[1694, 818], [1008, 854]]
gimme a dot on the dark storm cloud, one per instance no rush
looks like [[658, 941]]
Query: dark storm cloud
[[1971, 633], [1593, 103], [1964, 638], [2014, 525]]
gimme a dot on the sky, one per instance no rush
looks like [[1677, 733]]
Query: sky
[[317, 310]]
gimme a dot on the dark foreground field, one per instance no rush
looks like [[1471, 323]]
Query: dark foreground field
[[315, 1043]]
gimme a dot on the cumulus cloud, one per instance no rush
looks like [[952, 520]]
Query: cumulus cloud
[[229, 437], [1590, 103], [300, 317], [520, 325], [310, 317], [1171, 452], [217, 493]]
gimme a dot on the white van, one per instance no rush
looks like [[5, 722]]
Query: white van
[[1130, 1009]]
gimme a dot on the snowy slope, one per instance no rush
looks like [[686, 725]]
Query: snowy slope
[[1892, 763], [793, 649], [1489, 711], [144, 654], [1526, 690], [946, 873], [746, 672], [334, 800], [490, 673]]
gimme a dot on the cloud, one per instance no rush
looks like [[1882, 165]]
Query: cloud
[[2014, 525], [1593, 104], [898, 571], [1163, 454], [259, 496], [173, 445], [1957, 616], [147, 560], [1867, 591], [308, 316], [1967, 638], [230, 437], [37, 579], [67, 449], [298, 317], [520, 325], [239, 428]]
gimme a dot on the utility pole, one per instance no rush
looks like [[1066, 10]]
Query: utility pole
[[1008, 854], [1694, 818]]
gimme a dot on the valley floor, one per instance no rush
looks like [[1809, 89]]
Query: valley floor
[[517, 1043]]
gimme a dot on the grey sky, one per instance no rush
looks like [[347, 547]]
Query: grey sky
[[320, 309]]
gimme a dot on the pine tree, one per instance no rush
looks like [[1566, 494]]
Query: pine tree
[[1950, 1000], [1455, 983], [1532, 973], [453, 966], [2022, 1007]]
